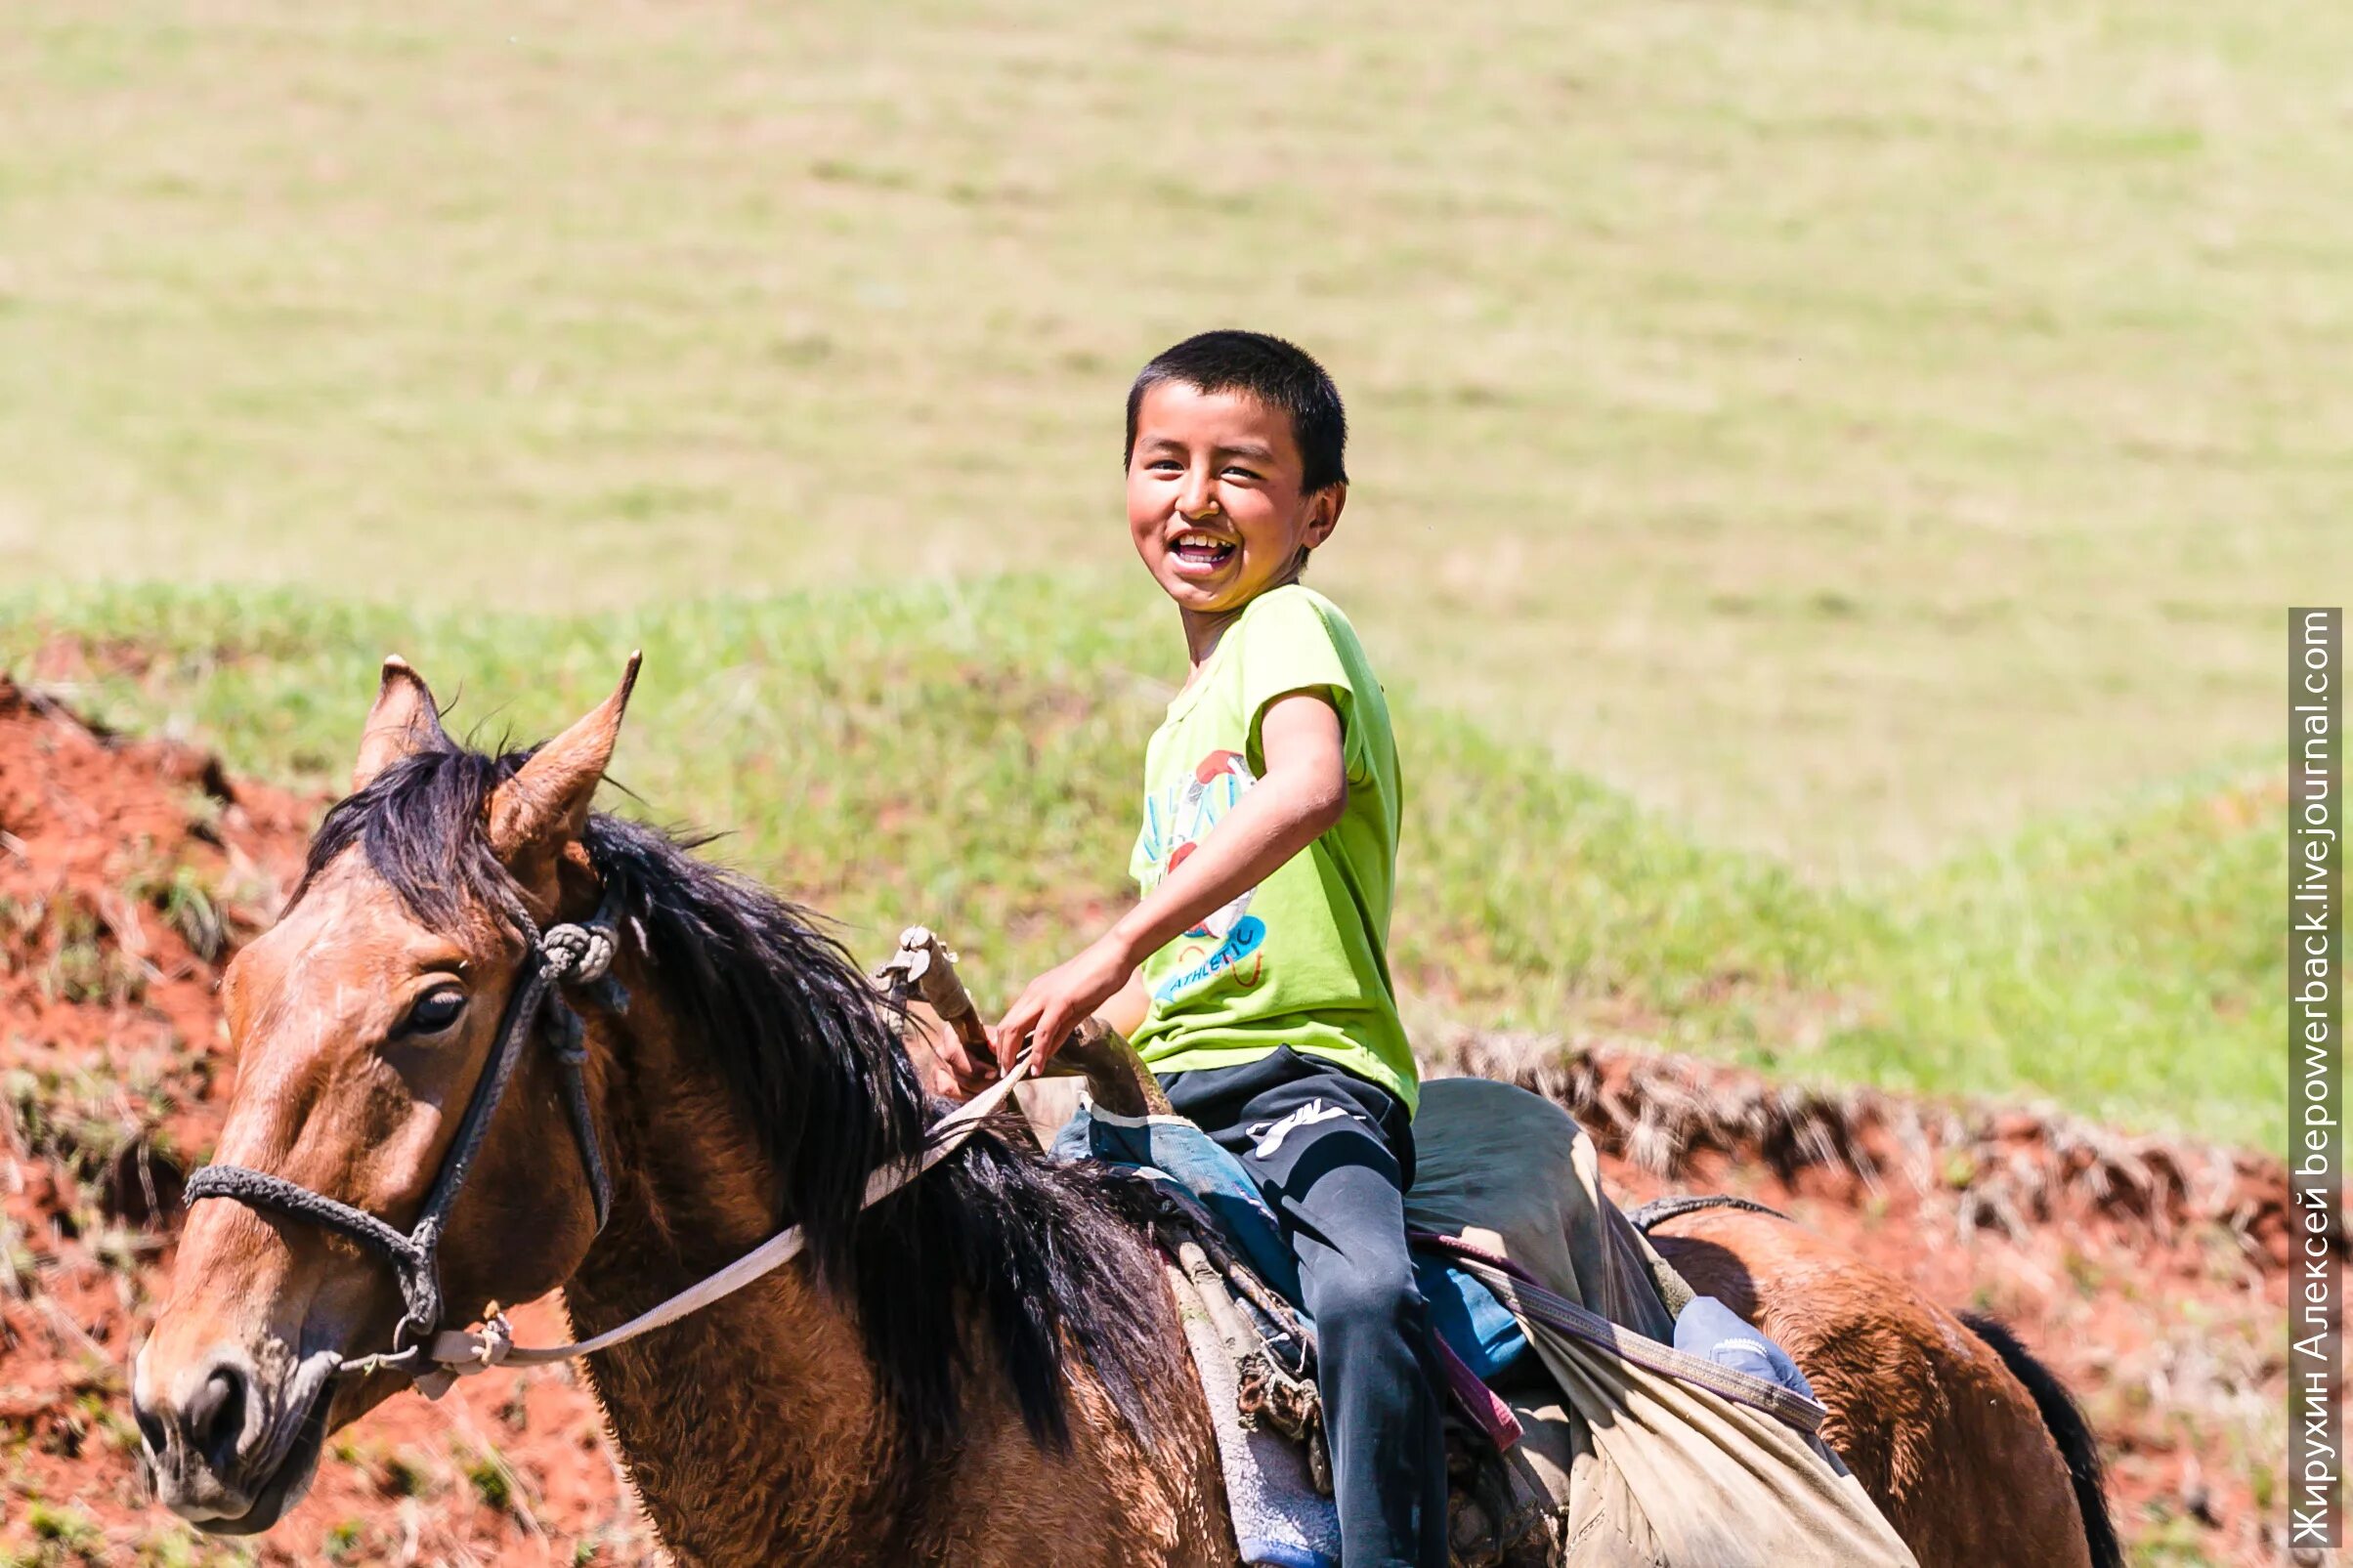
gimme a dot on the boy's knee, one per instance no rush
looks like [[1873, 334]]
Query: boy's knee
[[1373, 1295]]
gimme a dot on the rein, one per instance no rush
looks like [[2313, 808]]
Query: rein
[[422, 1349], [464, 1353]]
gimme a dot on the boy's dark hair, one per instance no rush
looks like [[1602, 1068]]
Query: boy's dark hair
[[1281, 375]]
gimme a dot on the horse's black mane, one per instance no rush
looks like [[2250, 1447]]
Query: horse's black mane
[[811, 1052]]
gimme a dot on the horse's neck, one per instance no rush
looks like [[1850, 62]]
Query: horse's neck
[[755, 1431], [753, 1428]]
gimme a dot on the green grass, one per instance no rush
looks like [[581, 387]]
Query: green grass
[[1827, 477], [1853, 430], [965, 756]]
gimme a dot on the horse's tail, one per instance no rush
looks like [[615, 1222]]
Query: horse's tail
[[2069, 1429]]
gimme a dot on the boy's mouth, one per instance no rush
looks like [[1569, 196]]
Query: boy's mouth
[[1198, 554]]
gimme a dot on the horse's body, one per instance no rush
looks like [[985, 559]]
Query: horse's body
[[984, 1370], [1937, 1422]]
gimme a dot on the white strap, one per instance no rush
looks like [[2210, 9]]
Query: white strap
[[465, 1352]]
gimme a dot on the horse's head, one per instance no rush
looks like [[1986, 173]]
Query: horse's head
[[362, 1024]]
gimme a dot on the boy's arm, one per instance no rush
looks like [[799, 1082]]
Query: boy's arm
[[1129, 1006], [1302, 794]]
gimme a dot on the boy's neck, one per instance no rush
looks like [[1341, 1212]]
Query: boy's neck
[[1202, 631]]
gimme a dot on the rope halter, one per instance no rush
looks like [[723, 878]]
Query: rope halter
[[576, 956]]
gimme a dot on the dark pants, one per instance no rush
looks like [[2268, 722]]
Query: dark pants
[[1332, 1155]]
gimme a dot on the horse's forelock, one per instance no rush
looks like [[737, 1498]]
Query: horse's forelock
[[418, 824]]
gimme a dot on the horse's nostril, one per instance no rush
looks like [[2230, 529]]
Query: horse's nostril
[[216, 1418], [150, 1427]]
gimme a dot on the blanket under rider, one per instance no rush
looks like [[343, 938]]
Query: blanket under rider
[[1681, 1438]]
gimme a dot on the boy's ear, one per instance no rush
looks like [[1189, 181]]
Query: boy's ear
[[1327, 503]]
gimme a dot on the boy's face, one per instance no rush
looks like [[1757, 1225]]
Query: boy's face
[[1214, 500]]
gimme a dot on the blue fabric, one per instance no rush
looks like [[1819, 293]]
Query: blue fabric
[[1283, 1554], [1190, 1157], [1710, 1329], [1477, 1326]]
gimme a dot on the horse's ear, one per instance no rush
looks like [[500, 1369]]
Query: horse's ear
[[403, 721], [546, 804]]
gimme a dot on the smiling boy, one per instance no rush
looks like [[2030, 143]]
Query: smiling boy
[[1253, 976]]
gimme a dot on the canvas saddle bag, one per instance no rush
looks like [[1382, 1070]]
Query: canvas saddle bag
[[1662, 1458]]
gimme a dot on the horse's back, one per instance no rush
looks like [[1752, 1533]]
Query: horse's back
[[1945, 1440], [1943, 1436]]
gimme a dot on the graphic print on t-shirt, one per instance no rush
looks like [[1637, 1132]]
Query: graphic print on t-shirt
[[1177, 821]]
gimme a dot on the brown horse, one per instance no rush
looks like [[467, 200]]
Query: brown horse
[[983, 1369]]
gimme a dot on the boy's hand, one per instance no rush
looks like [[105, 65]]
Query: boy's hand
[[942, 1062], [1054, 1003]]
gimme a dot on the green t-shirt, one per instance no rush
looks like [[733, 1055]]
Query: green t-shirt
[[1301, 958]]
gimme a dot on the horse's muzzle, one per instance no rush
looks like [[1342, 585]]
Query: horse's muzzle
[[229, 1448]]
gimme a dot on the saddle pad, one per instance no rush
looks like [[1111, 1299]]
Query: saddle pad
[[1463, 1312], [1280, 1520]]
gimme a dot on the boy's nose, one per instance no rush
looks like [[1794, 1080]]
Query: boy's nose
[[1195, 502]]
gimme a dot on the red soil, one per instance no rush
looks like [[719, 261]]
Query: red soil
[[2153, 1279], [111, 1050]]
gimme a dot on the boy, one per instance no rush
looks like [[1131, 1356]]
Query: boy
[[1253, 975]]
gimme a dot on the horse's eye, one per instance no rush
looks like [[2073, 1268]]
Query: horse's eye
[[436, 1010]]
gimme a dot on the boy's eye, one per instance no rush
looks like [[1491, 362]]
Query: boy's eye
[[1243, 472]]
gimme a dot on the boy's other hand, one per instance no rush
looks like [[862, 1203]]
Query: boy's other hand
[[1054, 1003]]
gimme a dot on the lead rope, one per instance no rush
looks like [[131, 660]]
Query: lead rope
[[465, 1353]]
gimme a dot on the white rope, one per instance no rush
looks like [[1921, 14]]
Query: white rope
[[463, 1353], [577, 954]]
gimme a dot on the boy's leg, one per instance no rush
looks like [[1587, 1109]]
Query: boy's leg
[[1332, 1155]]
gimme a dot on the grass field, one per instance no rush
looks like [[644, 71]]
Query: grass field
[[964, 755], [1856, 430], [1827, 477]]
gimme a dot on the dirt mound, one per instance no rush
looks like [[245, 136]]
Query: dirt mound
[[2011, 1170], [2151, 1276]]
